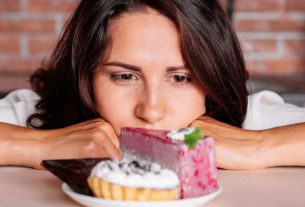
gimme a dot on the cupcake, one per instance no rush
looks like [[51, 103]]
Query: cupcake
[[133, 181]]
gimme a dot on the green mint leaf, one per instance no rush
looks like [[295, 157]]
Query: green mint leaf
[[191, 139]]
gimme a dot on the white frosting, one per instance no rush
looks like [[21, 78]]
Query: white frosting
[[136, 174], [179, 134]]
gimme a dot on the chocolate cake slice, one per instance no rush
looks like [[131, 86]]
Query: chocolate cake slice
[[195, 165], [74, 172]]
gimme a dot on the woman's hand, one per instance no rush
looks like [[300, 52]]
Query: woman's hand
[[93, 138], [236, 149]]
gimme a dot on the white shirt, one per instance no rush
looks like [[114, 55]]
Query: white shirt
[[266, 109], [17, 106]]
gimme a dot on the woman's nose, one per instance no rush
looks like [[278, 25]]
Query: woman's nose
[[151, 106]]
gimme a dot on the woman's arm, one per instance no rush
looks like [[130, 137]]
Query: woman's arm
[[287, 145], [18, 145], [239, 149], [28, 147]]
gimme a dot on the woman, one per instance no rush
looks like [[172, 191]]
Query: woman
[[161, 64]]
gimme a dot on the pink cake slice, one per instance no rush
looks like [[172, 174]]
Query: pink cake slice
[[195, 167]]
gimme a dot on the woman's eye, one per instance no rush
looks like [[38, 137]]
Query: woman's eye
[[180, 79], [124, 77]]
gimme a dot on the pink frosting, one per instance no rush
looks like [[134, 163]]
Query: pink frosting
[[196, 167]]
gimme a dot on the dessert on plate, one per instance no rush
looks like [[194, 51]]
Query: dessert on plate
[[157, 165], [133, 180], [185, 151]]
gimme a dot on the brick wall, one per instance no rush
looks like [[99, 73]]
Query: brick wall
[[272, 33], [29, 30], [28, 33]]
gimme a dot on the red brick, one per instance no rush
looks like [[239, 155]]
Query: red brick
[[9, 5], [27, 25], [294, 48], [280, 67], [19, 65], [257, 5], [42, 43], [295, 5], [52, 5], [12, 81], [9, 44], [258, 46], [280, 25]]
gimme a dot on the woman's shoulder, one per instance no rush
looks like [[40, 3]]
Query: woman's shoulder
[[17, 106], [267, 109]]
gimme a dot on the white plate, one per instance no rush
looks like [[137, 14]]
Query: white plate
[[98, 202]]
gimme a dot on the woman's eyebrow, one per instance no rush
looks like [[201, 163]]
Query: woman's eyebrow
[[138, 69], [174, 68], [124, 65]]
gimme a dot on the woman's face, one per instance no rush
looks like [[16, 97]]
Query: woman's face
[[144, 82]]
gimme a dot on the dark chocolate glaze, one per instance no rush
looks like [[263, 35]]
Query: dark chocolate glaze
[[74, 172]]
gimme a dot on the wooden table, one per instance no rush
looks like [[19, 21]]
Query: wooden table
[[272, 187]]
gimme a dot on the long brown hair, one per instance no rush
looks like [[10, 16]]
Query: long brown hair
[[209, 47]]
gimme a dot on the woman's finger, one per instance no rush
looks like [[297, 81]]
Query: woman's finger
[[110, 146]]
